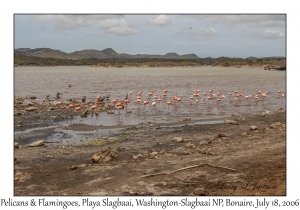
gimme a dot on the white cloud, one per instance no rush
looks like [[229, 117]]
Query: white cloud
[[179, 31], [62, 21], [115, 24], [208, 32], [160, 20], [270, 34], [250, 20], [117, 27], [196, 35]]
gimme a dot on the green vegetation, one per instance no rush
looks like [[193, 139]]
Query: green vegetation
[[99, 142], [23, 60]]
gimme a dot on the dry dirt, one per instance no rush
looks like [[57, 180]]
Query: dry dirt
[[207, 159]]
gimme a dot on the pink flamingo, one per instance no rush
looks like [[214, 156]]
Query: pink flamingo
[[94, 107], [121, 106], [169, 103], [145, 102], [71, 106], [59, 103], [79, 108]]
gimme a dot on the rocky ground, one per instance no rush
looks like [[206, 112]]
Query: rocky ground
[[29, 112], [242, 156]]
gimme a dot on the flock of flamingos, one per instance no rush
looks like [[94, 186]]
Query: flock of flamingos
[[153, 99]]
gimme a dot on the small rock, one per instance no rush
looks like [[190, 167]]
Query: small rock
[[19, 176], [163, 183], [49, 156], [16, 145], [17, 113], [253, 127], [199, 191], [232, 122], [55, 117], [104, 155], [263, 114], [153, 154], [31, 109], [221, 135], [128, 111], [203, 151], [189, 145], [77, 166], [275, 125], [137, 156], [244, 134], [163, 151], [187, 119], [36, 143], [203, 143], [211, 140], [179, 139], [50, 109], [15, 160]]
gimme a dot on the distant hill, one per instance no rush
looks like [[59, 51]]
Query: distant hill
[[109, 58], [91, 53]]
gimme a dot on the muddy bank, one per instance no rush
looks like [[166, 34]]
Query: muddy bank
[[247, 157], [32, 113]]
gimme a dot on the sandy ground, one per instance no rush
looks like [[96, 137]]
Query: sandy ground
[[207, 159]]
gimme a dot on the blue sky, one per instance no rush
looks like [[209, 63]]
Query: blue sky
[[239, 35]]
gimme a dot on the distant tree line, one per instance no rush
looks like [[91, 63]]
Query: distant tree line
[[22, 60]]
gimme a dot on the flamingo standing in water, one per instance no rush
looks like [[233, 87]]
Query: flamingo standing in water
[[179, 100], [79, 108], [120, 106], [165, 95], [71, 106], [145, 102], [154, 104], [192, 99], [169, 103], [159, 100], [94, 107], [59, 103], [127, 101], [115, 101]]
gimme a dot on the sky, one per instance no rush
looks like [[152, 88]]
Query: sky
[[206, 35]]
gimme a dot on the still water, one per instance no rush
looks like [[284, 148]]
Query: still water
[[184, 82]]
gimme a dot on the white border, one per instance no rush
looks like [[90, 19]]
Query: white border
[[8, 8]]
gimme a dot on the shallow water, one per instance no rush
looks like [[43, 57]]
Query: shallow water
[[92, 82]]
